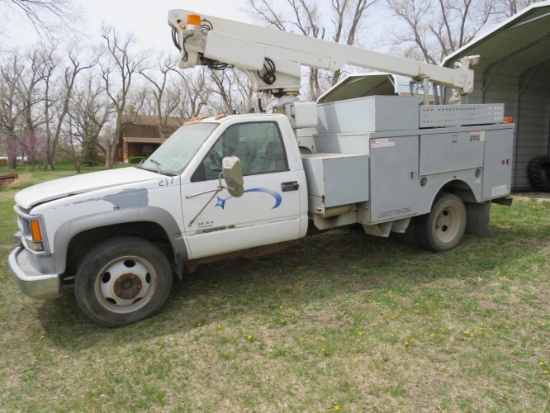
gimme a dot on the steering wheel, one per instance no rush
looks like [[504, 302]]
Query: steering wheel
[[215, 158]]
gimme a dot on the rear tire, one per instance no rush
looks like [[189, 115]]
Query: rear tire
[[538, 171], [443, 228], [123, 280]]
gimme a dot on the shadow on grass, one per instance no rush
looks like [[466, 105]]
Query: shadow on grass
[[335, 263]]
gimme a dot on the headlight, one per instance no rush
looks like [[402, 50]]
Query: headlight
[[34, 238], [32, 228]]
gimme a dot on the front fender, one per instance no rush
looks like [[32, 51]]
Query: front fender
[[69, 229]]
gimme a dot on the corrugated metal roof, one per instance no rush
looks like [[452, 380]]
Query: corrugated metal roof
[[516, 45]]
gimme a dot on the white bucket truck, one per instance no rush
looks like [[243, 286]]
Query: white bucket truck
[[250, 184]]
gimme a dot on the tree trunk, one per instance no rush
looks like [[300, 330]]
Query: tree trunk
[[12, 152]]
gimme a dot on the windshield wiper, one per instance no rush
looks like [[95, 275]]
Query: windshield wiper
[[157, 164], [160, 170]]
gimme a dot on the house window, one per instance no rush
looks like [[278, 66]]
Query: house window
[[147, 150]]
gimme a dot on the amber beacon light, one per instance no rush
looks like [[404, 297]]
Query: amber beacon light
[[193, 22]]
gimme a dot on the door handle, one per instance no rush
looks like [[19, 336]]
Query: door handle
[[290, 186]]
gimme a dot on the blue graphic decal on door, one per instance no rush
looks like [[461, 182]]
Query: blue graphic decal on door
[[278, 199]]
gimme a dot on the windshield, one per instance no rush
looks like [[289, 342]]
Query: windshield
[[174, 154]]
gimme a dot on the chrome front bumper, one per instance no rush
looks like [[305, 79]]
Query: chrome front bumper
[[30, 281]]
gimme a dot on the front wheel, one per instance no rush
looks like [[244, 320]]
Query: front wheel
[[443, 228], [123, 280]]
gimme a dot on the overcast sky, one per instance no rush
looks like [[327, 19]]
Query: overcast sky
[[146, 18]]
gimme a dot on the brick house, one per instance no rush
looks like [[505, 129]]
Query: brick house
[[141, 135]]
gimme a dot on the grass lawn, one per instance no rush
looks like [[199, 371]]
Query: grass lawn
[[339, 322]]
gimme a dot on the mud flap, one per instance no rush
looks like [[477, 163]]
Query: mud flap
[[477, 218]]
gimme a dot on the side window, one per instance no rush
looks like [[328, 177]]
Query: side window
[[257, 144]]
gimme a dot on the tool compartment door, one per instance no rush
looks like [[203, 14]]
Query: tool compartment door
[[393, 178], [497, 163]]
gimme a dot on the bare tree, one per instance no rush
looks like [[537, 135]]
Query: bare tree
[[510, 7], [231, 93], [118, 68], [57, 96], [194, 90], [32, 98], [166, 101], [42, 14], [90, 111], [10, 106], [72, 144], [24, 100], [434, 29]]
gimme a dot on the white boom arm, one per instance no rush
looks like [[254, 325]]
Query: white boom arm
[[272, 58]]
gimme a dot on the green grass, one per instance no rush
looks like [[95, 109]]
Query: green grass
[[339, 321]]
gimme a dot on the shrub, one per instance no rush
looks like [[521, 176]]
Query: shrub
[[136, 159]]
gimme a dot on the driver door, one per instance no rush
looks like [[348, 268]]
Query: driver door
[[268, 212]]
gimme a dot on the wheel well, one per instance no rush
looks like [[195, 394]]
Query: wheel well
[[84, 241], [459, 188]]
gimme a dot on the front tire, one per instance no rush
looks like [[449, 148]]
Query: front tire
[[123, 280], [443, 228]]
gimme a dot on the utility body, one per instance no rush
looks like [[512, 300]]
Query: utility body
[[250, 184]]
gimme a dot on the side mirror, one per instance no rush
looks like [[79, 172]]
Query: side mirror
[[233, 175]]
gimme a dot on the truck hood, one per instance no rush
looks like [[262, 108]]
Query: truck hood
[[78, 184]]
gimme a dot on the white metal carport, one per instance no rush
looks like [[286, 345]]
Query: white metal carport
[[514, 68]]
